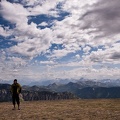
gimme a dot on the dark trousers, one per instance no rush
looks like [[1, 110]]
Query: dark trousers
[[15, 98]]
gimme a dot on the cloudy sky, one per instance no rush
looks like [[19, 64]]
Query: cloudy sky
[[59, 39]]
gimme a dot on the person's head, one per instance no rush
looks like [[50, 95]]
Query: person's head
[[15, 81]]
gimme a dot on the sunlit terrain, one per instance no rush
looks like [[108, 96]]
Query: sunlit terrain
[[63, 110]]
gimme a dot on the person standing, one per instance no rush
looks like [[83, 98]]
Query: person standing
[[16, 90]]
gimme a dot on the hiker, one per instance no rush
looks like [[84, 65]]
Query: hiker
[[16, 90]]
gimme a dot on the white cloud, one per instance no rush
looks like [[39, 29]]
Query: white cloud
[[77, 56], [90, 24], [43, 24], [59, 53], [47, 62], [110, 55], [4, 31], [15, 13], [47, 7], [86, 49]]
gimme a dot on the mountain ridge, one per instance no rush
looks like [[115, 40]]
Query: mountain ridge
[[34, 93], [71, 90]]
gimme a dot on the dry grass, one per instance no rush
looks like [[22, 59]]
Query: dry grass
[[63, 110]]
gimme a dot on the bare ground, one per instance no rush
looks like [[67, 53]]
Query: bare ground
[[100, 109]]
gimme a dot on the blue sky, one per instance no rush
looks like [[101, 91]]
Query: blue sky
[[66, 39]]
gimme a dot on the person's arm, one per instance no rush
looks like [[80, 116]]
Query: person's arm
[[19, 88]]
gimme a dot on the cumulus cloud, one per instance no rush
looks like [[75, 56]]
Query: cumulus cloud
[[86, 27], [43, 24], [77, 56], [109, 55], [47, 62], [86, 49], [104, 17], [4, 32], [15, 13]]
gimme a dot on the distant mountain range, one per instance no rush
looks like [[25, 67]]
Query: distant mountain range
[[34, 93], [82, 81], [88, 89], [71, 90]]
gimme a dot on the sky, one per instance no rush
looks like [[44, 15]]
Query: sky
[[59, 39]]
